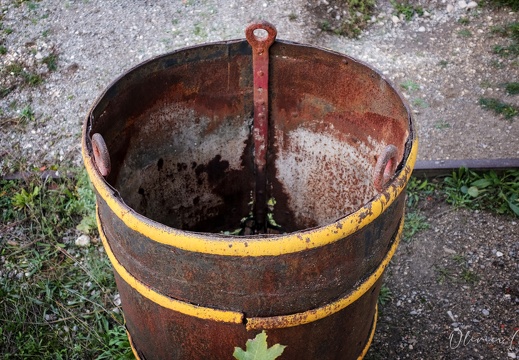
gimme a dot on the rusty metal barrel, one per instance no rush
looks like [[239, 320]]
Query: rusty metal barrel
[[181, 150]]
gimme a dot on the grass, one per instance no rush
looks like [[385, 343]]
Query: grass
[[465, 33], [443, 63], [414, 223], [443, 275], [419, 102], [499, 107], [410, 86], [512, 88], [442, 124], [512, 4], [51, 61], [56, 299], [27, 77], [512, 32]]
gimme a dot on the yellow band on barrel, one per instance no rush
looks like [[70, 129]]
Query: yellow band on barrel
[[166, 301], [361, 356], [273, 322], [284, 321], [243, 246]]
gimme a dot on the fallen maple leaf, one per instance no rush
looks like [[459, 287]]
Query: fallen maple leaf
[[257, 349]]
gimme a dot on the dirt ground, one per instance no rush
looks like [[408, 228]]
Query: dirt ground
[[454, 287]]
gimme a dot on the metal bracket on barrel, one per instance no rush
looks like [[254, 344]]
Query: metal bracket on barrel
[[385, 167], [260, 36], [101, 154]]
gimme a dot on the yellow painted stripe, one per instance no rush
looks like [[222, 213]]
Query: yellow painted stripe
[[134, 350], [273, 322], [284, 321], [165, 301], [371, 335], [361, 356], [249, 246]]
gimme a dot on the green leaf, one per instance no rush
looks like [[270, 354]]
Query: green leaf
[[473, 191], [481, 183], [257, 349]]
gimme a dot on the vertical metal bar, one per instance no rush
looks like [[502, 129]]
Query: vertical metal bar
[[260, 37]]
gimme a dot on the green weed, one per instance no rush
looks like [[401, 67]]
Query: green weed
[[419, 102], [443, 275], [27, 115], [442, 124], [499, 107], [418, 189], [3, 50], [385, 295], [443, 63], [469, 276], [410, 86], [413, 224], [487, 191], [512, 88], [353, 21], [512, 32], [51, 61], [27, 77], [464, 21], [512, 4], [465, 33], [407, 9]]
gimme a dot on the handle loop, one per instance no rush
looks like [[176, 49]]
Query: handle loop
[[385, 167], [101, 154]]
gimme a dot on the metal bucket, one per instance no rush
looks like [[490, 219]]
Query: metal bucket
[[171, 148]]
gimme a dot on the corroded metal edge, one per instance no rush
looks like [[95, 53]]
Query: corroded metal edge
[[272, 322], [249, 246]]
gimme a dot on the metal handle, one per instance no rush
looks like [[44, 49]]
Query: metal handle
[[260, 37], [260, 43], [385, 167], [101, 154]]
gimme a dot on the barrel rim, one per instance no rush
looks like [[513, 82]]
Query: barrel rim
[[275, 245]]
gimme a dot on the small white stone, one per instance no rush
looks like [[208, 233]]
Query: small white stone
[[83, 241], [499, 253], [512, 355], [421, 29], [472, 5], [395, 19], [38, 56], [117, 300], [450, 8], [462, 4], [485, 312]]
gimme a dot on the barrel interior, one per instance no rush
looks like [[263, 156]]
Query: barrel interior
[[178, 129]]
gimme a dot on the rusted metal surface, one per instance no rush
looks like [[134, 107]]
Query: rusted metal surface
[[101, 155], [385, 167], [179, 130], [260, 69]]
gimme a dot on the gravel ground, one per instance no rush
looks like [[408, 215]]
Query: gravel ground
[[443, 65]]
